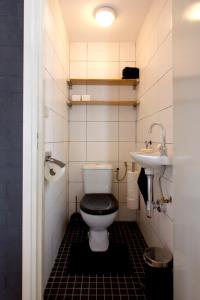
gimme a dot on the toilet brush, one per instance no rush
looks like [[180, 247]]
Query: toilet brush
[[76, 217]]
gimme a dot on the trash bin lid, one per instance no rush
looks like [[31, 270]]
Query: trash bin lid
[[157, 257]]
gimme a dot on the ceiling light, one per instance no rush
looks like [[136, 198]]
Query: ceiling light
[[193, 12], [105, 16]]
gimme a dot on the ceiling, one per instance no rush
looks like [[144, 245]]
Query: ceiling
[[81, 26]]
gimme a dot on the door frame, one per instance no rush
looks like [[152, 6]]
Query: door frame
[[33, 152]]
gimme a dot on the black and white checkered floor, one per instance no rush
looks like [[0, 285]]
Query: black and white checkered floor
[[66, 284]]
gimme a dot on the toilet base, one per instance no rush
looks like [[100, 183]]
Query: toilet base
[[98, 240], [98, 234]]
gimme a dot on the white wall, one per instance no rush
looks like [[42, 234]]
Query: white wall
[[56, 66], [186, 49], [101, 133], [154, 58]]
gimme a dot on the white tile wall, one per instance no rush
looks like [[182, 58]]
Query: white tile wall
[[75, 190], [100, 60], [127, 52], [77, 151], [126, 92], [110, 130], [78, 51], [77, 131], [78, 69], [102, 131], [56, 66], [102, 113], [103, 69], [102, 151], [75, 171], [100, 147], [124, 149], [187, 143], [155, 92], [127, 131], [103, 92], [127, 114], [78, 113], [103, 52]]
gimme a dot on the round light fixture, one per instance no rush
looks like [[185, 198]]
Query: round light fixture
[[193, 12], [105, 16]]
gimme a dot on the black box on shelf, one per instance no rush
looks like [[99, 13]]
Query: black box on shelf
[[130, 73]]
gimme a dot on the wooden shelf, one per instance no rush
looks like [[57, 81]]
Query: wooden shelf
[[105, 102], [99, 81], [93, 81]]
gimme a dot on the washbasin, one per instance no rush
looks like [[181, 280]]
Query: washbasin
[[150, 160]]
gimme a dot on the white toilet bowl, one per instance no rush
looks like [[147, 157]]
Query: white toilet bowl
[[98, 234], [98, 207]]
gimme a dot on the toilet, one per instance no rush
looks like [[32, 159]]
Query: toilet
[[98, 207]]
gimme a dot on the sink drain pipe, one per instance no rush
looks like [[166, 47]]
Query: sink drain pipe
[[149, 205], [160, 204]]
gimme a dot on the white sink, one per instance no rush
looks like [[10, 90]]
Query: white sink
[[152, 160]]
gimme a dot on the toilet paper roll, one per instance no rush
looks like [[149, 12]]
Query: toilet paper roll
[[132, 190], [53, 172]]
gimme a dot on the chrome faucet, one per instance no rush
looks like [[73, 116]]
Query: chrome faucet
[[163, 147]]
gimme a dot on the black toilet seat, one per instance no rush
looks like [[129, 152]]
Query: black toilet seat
[[99, 204]]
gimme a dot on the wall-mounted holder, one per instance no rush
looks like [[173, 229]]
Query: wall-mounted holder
[[54, 168], [53, 160]]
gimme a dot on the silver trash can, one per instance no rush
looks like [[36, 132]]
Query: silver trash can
[[158, 274]]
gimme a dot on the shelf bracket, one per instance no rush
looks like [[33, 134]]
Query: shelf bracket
[[69, 84], [69, 104], [136, 104]]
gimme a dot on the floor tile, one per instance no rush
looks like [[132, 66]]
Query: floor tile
[[62, 285]]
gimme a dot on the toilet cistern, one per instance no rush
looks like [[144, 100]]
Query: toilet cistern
[[163, 147]]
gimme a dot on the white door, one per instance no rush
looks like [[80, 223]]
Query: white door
[[32, 151], [187, 149]]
